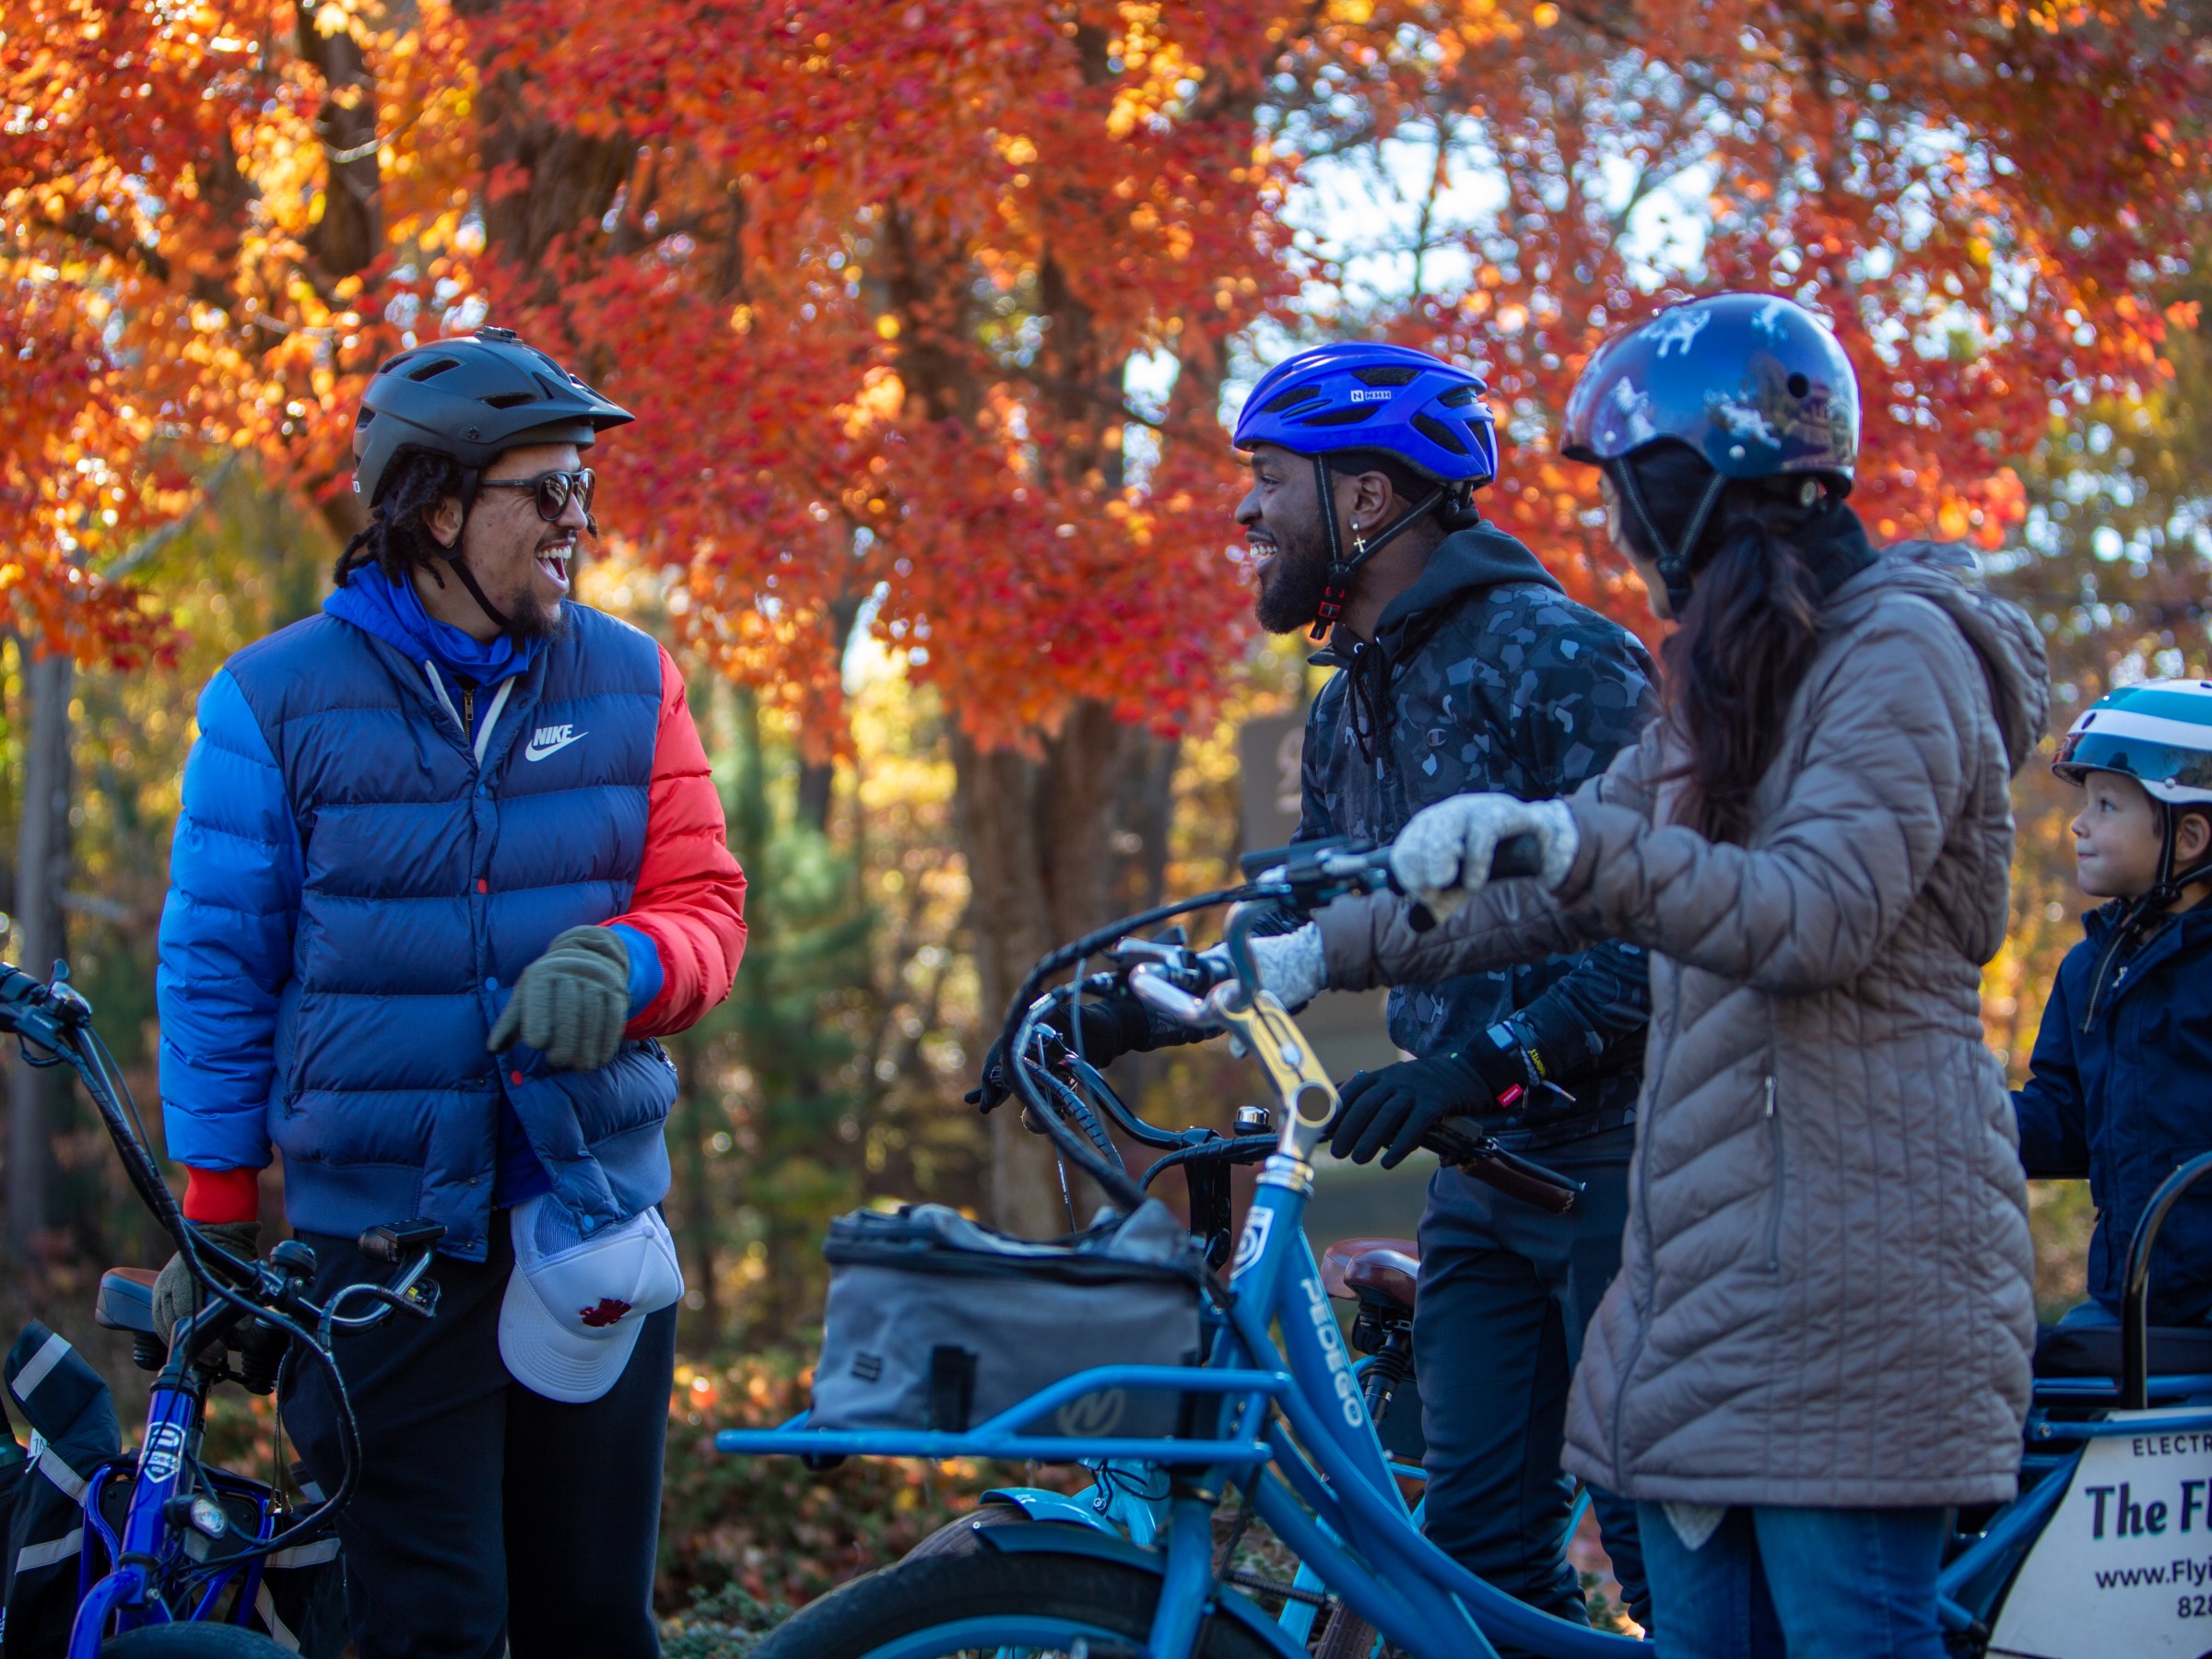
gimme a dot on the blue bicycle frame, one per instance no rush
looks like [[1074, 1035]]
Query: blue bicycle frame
[[1292, 1429], [127, 1594]]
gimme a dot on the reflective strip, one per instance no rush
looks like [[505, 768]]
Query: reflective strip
[[492, 716], [65, 1549], [61, 1474], [55, 1350], [265, 1606], [306, 1555]]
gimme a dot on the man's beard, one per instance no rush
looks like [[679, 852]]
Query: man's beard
[[528, 620], [1290, 594]]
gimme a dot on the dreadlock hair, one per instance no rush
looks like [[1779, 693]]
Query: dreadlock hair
[[396, 536], [1746, 637]]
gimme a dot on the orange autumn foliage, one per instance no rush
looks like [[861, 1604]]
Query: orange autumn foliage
[[873, 275]]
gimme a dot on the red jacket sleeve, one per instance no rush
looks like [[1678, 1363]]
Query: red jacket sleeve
[[689, 899], [212, 1195]]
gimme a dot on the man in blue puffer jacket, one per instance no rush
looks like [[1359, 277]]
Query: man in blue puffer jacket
[[449, 858]]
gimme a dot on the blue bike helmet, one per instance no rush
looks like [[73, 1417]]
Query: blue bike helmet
[[1753, 382], [1388, 399]]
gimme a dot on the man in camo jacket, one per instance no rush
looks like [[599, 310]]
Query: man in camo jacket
[[1461, 665]]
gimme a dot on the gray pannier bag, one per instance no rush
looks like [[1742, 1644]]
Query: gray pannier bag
[[937, 1322]]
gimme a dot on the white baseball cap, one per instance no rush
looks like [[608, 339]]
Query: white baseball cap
[[574, 1305]]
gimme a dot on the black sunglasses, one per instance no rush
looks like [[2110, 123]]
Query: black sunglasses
[[554, 491]]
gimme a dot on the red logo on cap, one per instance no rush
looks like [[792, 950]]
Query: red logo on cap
[[609, 1312]]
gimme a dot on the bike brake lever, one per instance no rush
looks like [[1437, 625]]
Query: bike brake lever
[[1150, 986]]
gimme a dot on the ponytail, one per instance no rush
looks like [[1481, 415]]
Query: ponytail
[[1748, 635], [1745, 644]]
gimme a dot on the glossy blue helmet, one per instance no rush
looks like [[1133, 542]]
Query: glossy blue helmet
[[1754, 384], [1356, 397]]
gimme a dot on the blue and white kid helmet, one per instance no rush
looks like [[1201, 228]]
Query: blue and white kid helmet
[[2159, 732]]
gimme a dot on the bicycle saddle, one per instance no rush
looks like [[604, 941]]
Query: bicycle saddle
[[126, 1299], [1371, 1270]]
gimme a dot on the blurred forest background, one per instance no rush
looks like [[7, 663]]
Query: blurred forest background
[[933, 316]]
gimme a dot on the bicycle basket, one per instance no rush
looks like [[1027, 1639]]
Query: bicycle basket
[[937, 1322]]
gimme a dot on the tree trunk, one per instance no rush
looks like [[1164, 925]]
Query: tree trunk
[[43, 871], [696, 1110], [1039, 837]]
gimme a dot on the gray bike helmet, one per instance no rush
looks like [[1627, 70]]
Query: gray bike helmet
[[472, 399]]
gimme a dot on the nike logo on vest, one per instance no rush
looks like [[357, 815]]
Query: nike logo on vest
[[551, 741]]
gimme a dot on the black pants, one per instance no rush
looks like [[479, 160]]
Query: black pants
[[1505, 1294], [486, 1515]]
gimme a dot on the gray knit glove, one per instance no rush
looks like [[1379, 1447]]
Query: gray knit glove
[[572, 1003], [176, 1293]]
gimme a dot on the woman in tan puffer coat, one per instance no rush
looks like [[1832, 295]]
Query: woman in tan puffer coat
[[1820, 1333]]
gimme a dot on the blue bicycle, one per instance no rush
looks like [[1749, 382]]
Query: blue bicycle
[[1284, 1428], [2108, 1549], [172, 1560]]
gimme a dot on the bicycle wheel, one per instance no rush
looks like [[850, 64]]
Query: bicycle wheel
[[191, 1641], [987, 1605]]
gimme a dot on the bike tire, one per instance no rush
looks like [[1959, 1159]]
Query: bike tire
[[1347, 1637], [984, 1604], [191, 1641]]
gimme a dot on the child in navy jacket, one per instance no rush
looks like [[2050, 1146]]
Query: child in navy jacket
[[2120, 1083]]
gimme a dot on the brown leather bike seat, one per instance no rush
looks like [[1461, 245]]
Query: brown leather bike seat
[[1372, 1270]]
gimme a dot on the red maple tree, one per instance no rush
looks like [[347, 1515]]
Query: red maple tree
[[875, 277]]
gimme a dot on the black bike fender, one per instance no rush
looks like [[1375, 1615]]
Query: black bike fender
[[1060, 1539]]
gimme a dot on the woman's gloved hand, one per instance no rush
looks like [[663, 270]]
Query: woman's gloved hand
[[1389, 1111], [175, 1293], [1443, 856], [572, 1003], [1291, 965]]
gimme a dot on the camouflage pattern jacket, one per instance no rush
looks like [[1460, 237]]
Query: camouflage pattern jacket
[[1485, 675]]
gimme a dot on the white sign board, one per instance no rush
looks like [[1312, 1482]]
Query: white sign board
[[2124, 1566]]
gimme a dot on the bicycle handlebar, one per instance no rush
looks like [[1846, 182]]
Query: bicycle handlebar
[[52, 1016], [1167, 977]]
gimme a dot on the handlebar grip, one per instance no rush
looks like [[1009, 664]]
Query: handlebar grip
[[1517, 855], [1515, 1176]]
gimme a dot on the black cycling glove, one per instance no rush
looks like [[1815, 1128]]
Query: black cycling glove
[[1109, 1027], [1389, 1111]]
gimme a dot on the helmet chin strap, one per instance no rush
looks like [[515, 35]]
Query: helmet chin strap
[[2167, 890], [1673, 557], [1342, 569], [452, 556], [2140, 917]]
